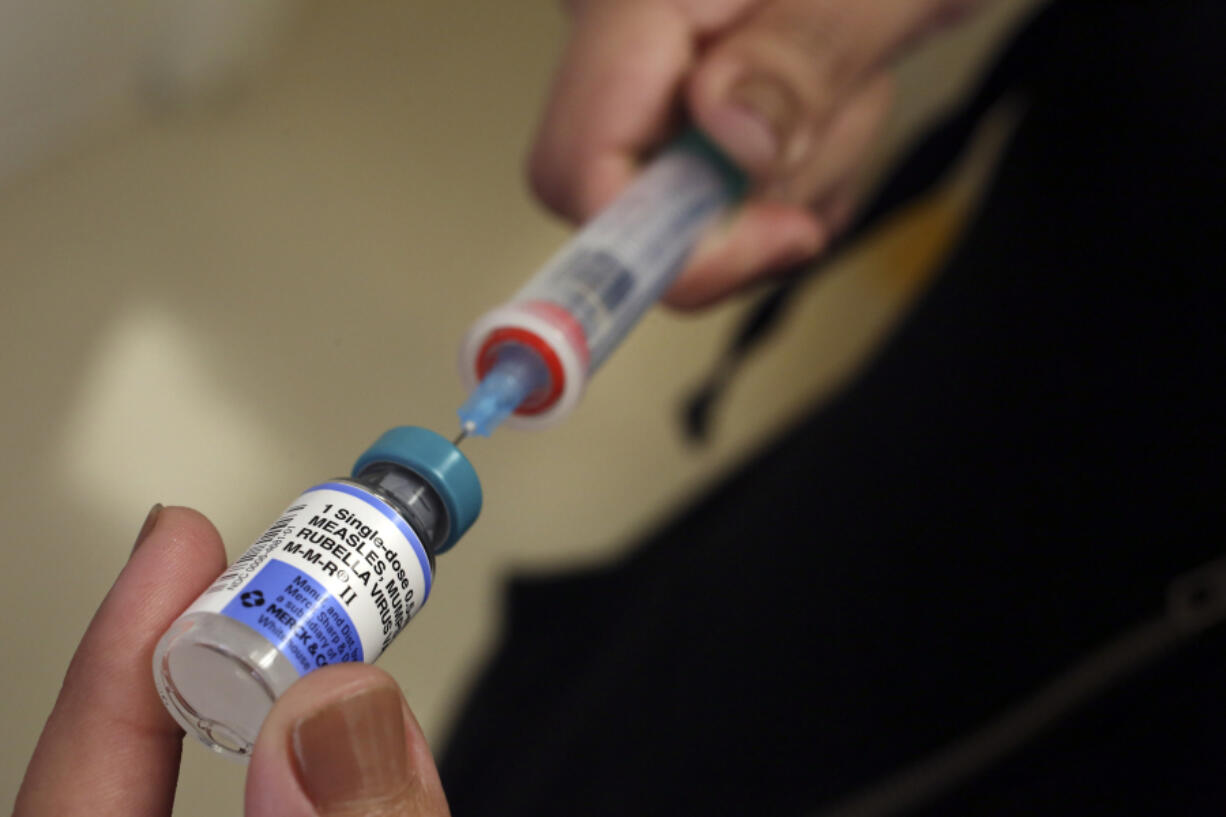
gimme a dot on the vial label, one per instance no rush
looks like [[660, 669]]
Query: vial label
[[334, 579], [295, 612]]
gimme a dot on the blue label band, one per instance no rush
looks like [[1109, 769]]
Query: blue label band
[[390, 514], [304, 621]]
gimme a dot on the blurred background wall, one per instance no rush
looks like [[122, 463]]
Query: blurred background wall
[[239, 239]]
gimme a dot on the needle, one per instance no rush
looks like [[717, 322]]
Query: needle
[[465, 430]]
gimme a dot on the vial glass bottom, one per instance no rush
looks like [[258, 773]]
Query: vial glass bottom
[[219, 678]]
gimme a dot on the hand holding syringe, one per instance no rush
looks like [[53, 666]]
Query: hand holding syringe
[[526, 362]]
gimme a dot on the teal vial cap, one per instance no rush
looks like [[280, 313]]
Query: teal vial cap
[[437, 460]]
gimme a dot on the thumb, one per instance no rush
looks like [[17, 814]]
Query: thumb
[[342, 741], [768, 87]]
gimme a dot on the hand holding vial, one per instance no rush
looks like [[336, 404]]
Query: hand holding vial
[[340, 740]]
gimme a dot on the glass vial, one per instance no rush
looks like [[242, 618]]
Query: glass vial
[[335, 578]]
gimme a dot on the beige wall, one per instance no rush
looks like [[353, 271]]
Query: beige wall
[[220, 304], [71, 72]]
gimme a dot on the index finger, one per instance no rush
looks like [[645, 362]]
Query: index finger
[[615, 94], [109, 746]]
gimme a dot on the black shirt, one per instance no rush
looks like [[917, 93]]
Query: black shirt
[[948, 590]]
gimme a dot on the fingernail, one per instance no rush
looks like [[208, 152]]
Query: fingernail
[[754, 123], [351, 753], [151, 522]]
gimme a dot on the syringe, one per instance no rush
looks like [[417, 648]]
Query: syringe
[[527, 361]]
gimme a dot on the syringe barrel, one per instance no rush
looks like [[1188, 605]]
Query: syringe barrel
[[593, 291], [623, 260]]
